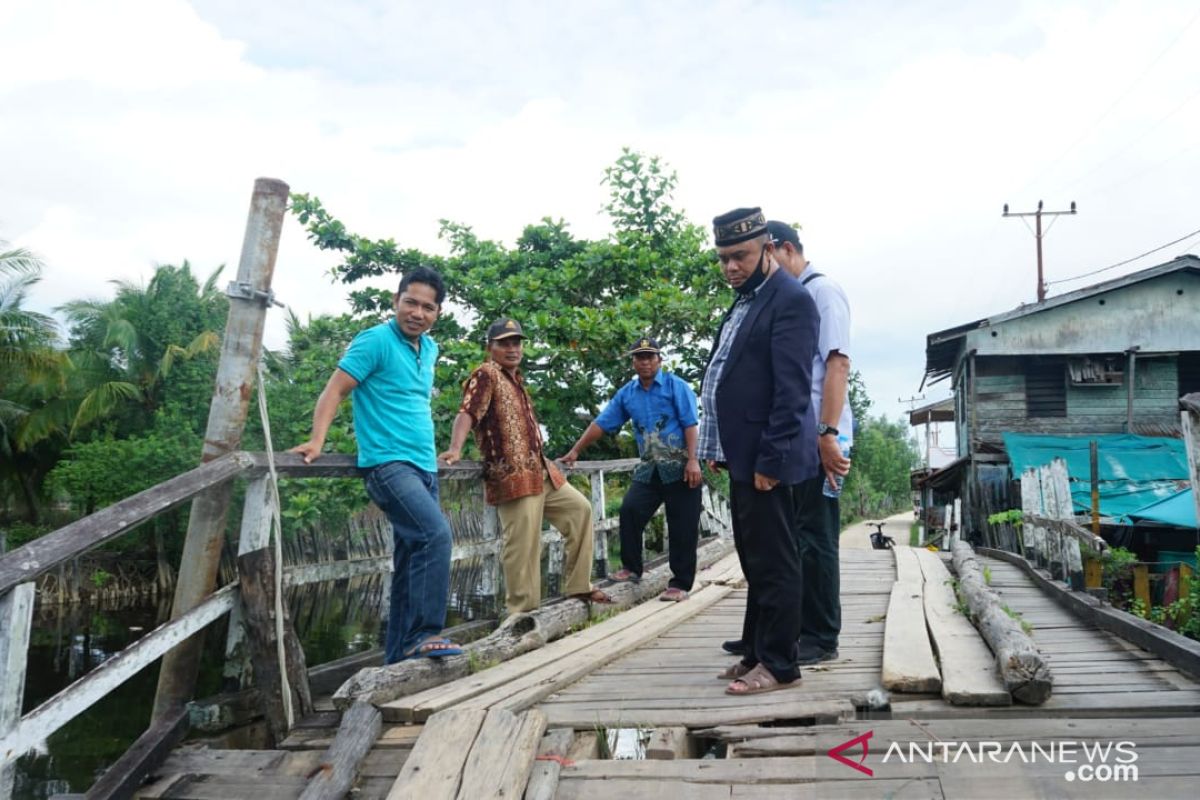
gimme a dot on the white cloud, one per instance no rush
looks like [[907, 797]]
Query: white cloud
[[133, 132]]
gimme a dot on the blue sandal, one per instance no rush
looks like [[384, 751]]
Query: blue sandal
[[434, 648]]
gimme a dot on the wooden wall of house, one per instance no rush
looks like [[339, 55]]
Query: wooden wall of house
[[1001, 401]]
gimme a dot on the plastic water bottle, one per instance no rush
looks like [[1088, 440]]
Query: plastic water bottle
[[844, 445]]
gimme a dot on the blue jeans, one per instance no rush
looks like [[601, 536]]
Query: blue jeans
[[420, 556]]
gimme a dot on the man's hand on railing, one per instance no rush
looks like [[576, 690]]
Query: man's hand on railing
[[450, 457], [569, 458], [311, 450]]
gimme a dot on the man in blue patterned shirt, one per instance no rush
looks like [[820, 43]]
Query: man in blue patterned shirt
[[663, 410]]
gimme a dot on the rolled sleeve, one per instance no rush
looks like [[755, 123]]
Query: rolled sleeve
[[477, 395]]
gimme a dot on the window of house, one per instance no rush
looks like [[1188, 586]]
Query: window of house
[[1046, 389], [1189, 373]]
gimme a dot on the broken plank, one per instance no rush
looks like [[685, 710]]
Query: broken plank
[[433, 770], [501, 759], [360, 727], [552, 752]]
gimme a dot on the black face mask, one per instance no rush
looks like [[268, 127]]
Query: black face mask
[[756, 278]]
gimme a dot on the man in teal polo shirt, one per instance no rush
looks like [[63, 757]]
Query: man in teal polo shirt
[[388, 372]]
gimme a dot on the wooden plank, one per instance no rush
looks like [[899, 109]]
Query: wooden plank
[[552, 752], [669, 744], [71, 541], [433, 770], [967, 666], [16, 619], [771, 708], [502, 757], [638, 789], [143, 757], [356, 735], [51, 715], [908, 663], [233, 787], [908, 569]]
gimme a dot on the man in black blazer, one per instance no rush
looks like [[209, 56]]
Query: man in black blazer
[[758, 424]]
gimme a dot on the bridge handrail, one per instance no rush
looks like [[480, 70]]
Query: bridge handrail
[[71, 541]]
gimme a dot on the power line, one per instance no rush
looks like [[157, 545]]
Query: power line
[[1126, 261]]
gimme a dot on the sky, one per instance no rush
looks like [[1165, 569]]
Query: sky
[[131, 133]]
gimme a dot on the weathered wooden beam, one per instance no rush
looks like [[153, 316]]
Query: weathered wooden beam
[[552, 751], [256, 574], [1189, 411], [71, 541], [337, 465], [357, 734], [16, 618], [241, 346], [1023, 668], [669, 744], [499, 764], [908, 662], [51, 715], [145, 755], [433, 770]]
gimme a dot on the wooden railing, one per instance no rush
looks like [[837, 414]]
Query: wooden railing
[[20, 568]]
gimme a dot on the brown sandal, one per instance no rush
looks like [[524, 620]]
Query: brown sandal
[[758, 681], [734, 671]]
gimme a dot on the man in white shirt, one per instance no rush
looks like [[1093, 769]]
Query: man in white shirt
[[818, 522]]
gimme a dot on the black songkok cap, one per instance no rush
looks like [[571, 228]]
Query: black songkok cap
[[738, 225]]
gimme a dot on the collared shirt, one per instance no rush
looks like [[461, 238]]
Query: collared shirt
[[709, 445], [392, 418], [507, 433], [835, 335], [660, 415]]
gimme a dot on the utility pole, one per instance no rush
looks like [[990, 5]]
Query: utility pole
[[1041, 282]]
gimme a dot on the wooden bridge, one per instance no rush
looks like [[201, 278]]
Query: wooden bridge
[[643, 683]]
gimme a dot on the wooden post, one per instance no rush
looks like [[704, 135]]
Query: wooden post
[[256, 575], [1141, 585], [1094, 455], [1185, 582], [16, 617], [490, 578], [1093, 573], [255, 535], [600, 541], [240, 350], [1130, 365], [554, 564]]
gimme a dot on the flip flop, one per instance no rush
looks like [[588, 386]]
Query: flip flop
[[673, 595], [733, 672], [758, 681], [434, 648], [623, 575], [595, 596]]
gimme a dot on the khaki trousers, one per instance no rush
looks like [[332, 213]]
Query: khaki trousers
[[521, 521]]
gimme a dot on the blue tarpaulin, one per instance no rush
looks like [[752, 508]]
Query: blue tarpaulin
[[1138, 474], [1178, 509]]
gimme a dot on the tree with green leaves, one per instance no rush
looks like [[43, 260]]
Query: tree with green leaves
[[580, 301]]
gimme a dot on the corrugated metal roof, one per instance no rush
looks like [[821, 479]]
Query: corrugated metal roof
[[942, 349]]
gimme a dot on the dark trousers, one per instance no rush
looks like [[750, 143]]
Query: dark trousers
[[683, 526], [766, 546], [818, 528]]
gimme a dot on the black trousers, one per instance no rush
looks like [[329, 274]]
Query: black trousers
[[818, 528], [683, 526], [766, 544]]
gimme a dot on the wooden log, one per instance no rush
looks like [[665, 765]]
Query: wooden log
[[1023, 669], [502, 757], [552, 751], [433, 770], [339, 766], [143, 757], [517, 635], [256, 571]]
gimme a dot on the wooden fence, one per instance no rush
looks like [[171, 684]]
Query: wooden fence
[[21, 567]]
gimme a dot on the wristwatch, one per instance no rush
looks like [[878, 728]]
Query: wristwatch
[[826, 430]]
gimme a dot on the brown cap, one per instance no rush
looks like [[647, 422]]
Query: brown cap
[[504, 328]]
